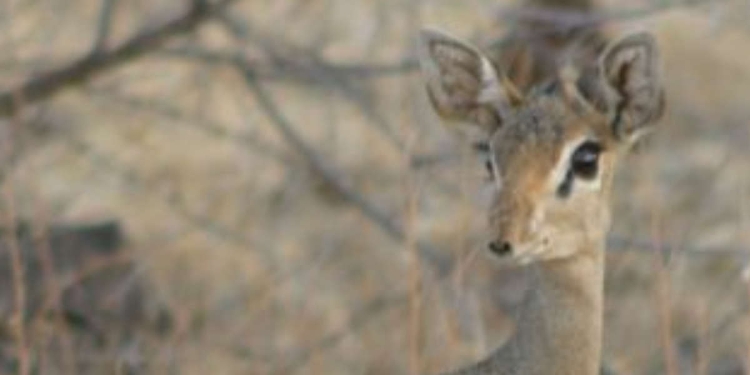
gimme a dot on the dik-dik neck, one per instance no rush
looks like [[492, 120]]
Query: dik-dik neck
[[559, 322]]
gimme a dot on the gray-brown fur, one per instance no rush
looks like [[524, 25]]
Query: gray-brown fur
[[566, 345], [546, 35], [549, 108]]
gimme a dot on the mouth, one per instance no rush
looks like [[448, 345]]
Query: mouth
[[538, 249]]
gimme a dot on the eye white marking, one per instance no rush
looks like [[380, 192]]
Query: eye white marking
[[495, 171], [594, 184], [536, 220], [558, 174]]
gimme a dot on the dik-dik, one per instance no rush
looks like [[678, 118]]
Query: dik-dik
[[553, 142]]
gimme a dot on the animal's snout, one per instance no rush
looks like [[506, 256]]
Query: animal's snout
[[500, 248]]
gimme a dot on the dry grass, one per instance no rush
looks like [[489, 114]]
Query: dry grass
[[269, 269]]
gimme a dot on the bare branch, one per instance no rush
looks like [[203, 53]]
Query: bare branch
[[440, 262], [47, 84], [209, 127], [349, 79]]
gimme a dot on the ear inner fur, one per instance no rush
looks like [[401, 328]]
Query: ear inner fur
[[630, 75], [463, 84]]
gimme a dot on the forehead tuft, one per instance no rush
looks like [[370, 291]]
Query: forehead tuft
[[537, 130]]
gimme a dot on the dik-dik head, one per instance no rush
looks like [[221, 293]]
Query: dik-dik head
[[551, 152]]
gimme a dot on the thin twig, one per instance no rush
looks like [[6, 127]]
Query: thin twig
[[40, 234], [212, 128], [306, 63], [347, 78], [286, 67], [13, 246], [104, 26]]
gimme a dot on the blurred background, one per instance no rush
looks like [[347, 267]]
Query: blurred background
[[260, 187]]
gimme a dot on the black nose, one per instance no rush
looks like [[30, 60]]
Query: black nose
[[500, 248]]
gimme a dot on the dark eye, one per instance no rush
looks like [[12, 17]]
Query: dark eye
[[585, 160], [488, 167], [483, 149]]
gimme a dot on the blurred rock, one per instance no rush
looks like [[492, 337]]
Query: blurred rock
[[81, 282]]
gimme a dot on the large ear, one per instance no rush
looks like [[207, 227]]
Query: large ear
[[462, 83], [630, 70]]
